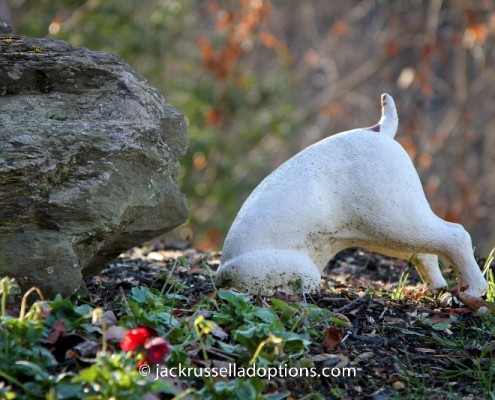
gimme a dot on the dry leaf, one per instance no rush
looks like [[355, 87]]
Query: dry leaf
[[439, 319], [321, 357], [460, 311], [474, 303], [288, 298], [116, 333], [424, 350], [333, 336], [343, 362], [218, 332], [364, 356], [394, 320], [87, 349], [109, 318], [58, 329]]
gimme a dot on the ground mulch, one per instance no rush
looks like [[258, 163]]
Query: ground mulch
[[390, 342]]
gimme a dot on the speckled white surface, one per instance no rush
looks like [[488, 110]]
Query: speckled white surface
[[356, 188]]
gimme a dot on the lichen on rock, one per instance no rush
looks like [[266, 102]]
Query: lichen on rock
[[88, 162]]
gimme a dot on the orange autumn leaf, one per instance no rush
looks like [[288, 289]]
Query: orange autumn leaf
[[212, 117], [409, 146], [206, 50], [333, 110], [270, 41], [224, 20], [239, 25], [477, 33], [340, 28]]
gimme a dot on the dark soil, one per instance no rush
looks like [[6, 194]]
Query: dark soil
[[392, 343]]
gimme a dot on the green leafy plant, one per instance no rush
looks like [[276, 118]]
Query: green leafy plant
[[29, 368], [148, 307], [167, 330], [21, 339], [398, 293], [236, 389], [490, 276], [115, 376]]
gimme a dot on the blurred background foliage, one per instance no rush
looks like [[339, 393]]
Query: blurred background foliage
[[259, 80]]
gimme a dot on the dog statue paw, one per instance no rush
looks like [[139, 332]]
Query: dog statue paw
[[358, 188]]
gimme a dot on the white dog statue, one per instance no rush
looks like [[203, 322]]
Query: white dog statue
[[356, 188]]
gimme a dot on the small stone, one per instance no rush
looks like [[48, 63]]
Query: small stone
[[155, 256], [398, 385], [5, 28], [364, 356]]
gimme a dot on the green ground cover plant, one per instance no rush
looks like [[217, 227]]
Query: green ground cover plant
[[266, 336], [69, 349]]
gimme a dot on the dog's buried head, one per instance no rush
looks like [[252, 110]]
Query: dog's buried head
[[356, 188]]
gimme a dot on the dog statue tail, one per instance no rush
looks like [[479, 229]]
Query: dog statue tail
[[389, 121]]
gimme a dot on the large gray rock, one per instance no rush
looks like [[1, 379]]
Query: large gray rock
[[88, 162]]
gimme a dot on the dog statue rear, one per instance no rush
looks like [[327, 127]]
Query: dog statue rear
[[358, 188]]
